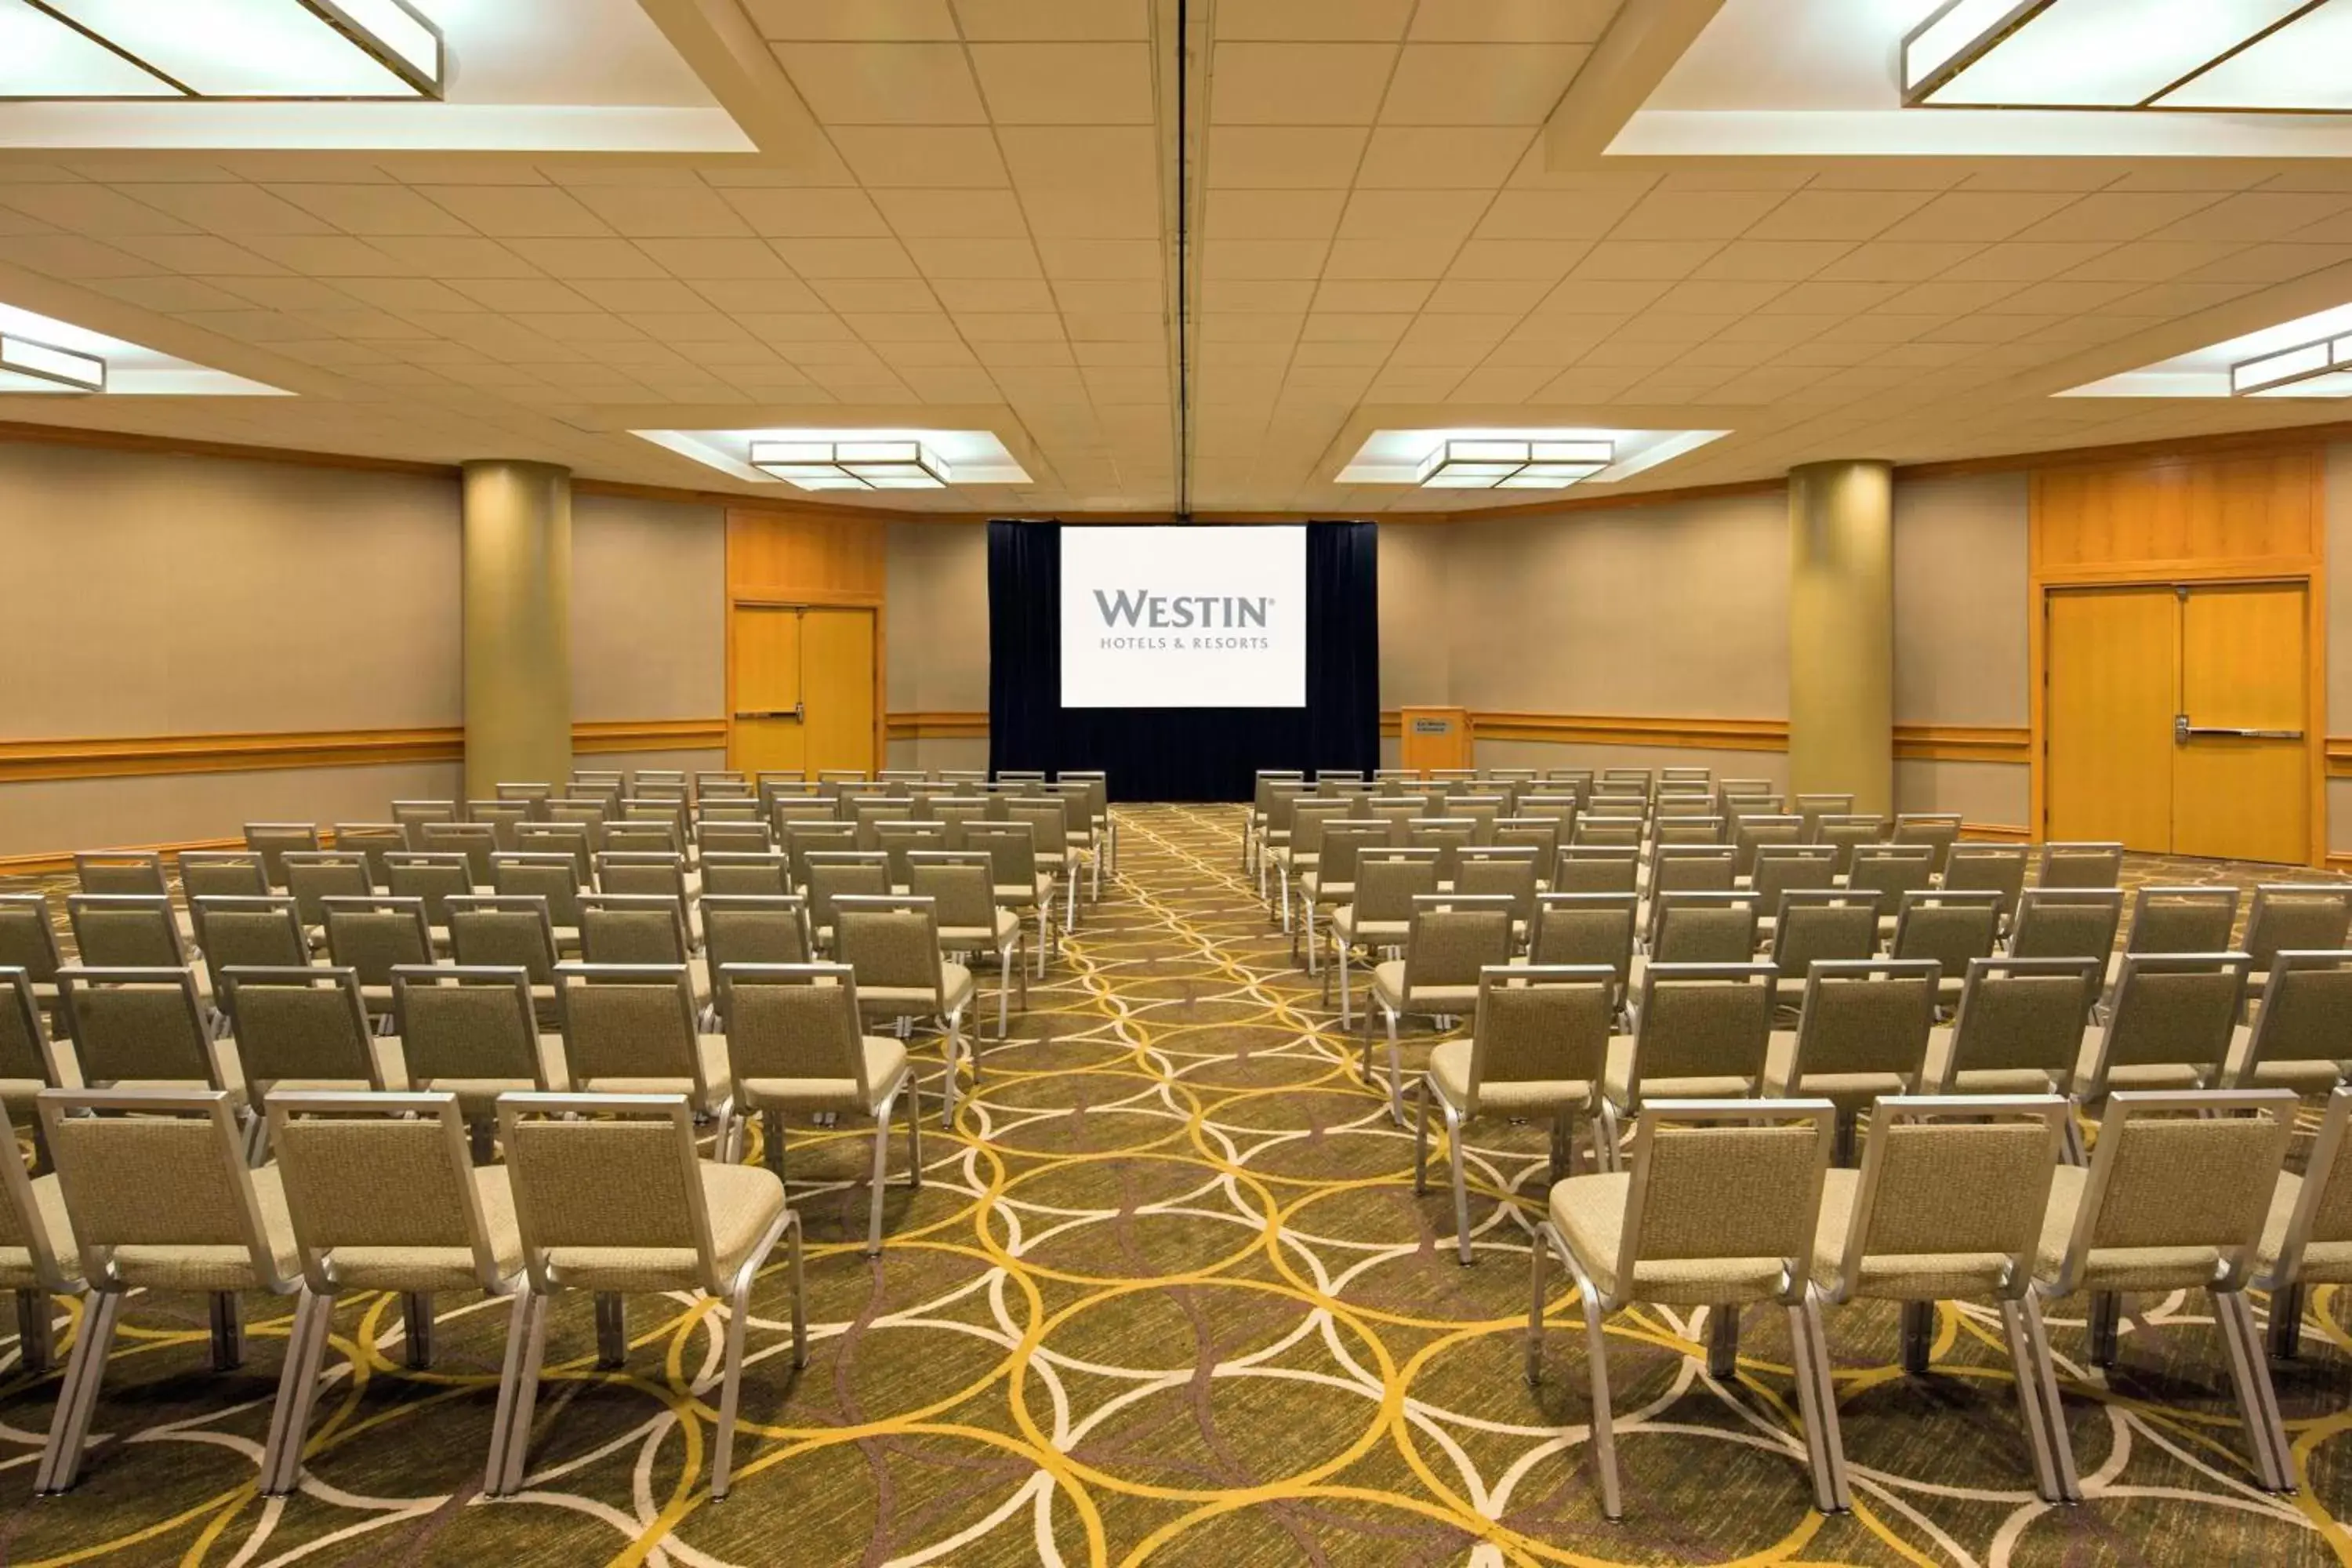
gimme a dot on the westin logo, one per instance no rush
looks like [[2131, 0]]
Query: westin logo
[[1147, 609]]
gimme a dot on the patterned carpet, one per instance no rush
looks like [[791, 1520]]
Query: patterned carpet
[[1166, 1295]]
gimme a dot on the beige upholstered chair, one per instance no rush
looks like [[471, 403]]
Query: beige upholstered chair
[[610, 1197], [658, 874], [1847, 832], [893, 944], [272, 840], [1702, 928], [1940, 829], [1948, 1205], [411, 816], [742, 929], [864, 873], [1379, 913], [1777, 868], [1703, 1031], [254, 932], [1302, 850], [500, 933], [633, 1028], [628, 837], [1449, 835], [1059, 854], [803, 840], [1749, 834], [133, 930], [473, 1031], [2175, 1197], [2308, 1238], [161, 1199], [380, 1196], [1504, 870], [642, 928], [2315, 917], [233, 873], [375, 936], [477, 841], [1861, 1034], [1691, 869], [146, 1029], [1588, 929], [306, 1028], [1449, 940], [1891, 870], [1986, 867], [796, 1043], [30, 1060], [1539, 1040], [2022, 1027], [1021, 884], [2171, 1025], [2301, 1038], [2079, 865], [504, 818], [557, 879], [2066, 922], [433, 878], [1811, 809], [120, 871], [1812, 926], [748, 876], [1954, 929], [961, 885], [1330, 882], [1597, 869], [2177, 920], [1719, 1210], [38, 1258], [29, 943]]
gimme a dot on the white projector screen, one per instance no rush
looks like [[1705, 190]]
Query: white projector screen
[[1184, 618]]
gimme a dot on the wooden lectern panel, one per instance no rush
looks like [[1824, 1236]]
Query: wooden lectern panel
[[1434, 738]]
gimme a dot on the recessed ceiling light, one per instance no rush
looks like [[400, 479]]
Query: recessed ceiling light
[[2105, 54], [852, 465], [2323, 369], [1483, 465], [29, 366], [218, 49]]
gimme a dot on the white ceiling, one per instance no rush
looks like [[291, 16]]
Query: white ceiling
[[961, 215]]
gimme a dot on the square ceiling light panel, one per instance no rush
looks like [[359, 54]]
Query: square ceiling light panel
[[821, 459], [27, 364], [41, 354], [2310, 356], [1514, 459], [234, 49], [2209, 54]]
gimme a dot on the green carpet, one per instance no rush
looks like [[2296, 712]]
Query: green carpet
[[1166, 1295]]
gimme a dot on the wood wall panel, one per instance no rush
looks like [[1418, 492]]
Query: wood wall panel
[[805, 558], [2222, 513]]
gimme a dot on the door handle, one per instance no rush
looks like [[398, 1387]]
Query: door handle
[[2184, 731], [793, 712]]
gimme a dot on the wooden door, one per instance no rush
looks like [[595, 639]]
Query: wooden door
[[766, 729], [837, 688], [2242, 779], [2112, 657]]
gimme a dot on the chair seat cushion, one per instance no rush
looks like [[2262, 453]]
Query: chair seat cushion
[[2306, 1078], [2134, 1269], [1620, 1072], [982, 939], [1449, 1069], [955, 990], [386, 1048], [174, 1267], [743, 1203], [1349, 928], [441, 1267], [1933, 1277], [2324, 1262], [1389, 990], [710, 1049], [1589, 1214], [19, 1270], [477, 1097], [886, 1065]]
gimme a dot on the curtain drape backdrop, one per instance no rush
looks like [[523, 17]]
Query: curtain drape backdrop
[[1183, 753]]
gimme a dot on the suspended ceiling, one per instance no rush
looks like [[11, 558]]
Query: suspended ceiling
[[963, 214]]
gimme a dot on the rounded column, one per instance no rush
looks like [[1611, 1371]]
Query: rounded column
[[1842, 631], [518, 624]]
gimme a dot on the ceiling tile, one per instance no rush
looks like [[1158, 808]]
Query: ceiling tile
[[230, 209], [1513, 21], [851, 19], [1480, 84], [90, 209], [711, 258], [876, 294], [974, 257], [1299, 84], [665, 212], [1259, 259], [1054, 20], [994, 293], [1313, 20], [1426, 157], [537, 212], [1506, 259], [1554, 215], [1092, 259], [1066, 83], [1430, 215], [958, 214], [883, 84], [1246, 214], [884, 155], [846, 257]]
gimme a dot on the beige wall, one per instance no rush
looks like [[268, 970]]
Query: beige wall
[[648, 610], [1416, 638], [936, 624], [53, 815], [1960, 612]]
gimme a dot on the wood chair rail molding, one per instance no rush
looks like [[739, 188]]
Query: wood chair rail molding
[[135, 756]]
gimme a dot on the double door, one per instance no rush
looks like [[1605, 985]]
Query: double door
[[2175, 718], [803, 683]]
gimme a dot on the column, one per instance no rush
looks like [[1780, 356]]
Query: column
[[1842, 631], [517, 631]]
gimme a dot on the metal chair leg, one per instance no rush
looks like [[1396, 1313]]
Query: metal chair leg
[[517, 1331], [525, 1399], [1918, 1336], [78, 1398], [2028, 1401], [1396, 1070], [2061, 1446], [612, 1331], [1461, 1189], [731, 1383], [1723, 1342], [2286, 1323], [1822, 1417], [416, 1326], [227, 1312], [2106, 1317], [1604, 1437], [2267, 1441], [36, 1342], [1421, 1142]]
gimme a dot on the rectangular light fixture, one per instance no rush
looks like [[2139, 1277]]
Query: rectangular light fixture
[[2103, 54], [29, 366], [237, 49], [1481, 464], [2323, 369], [853, 465]]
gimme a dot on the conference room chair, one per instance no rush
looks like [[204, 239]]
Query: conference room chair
[[1378, 916], [411, 815], [504, 818], [2308, 1235], [1597, 869], [588, 814], [1537, 833], [1509, 870], [2303, 918], [1847, 832], [1702, 928], [1481, 811], [1778, 869], [1702, 779], [768, 875], [1399, 811], [869, 812], [1861, 1034], [2301, 1036], [833, 872], [39, 1259], [1539, 1040], [1449, 939], [1743, 798], [961, 885], [787, 809], [623, 1202], [664, 809], [1952, 929], [642, 928], [1270, 825], [1582, 930], [2079, 865], [1938, 829], [1980, 868], [2171, 1027], [509, 931], [715, 835], [1670, 830], [1060, 851], [305, 1029], [1021, 884], [1690, 869], [477, 841], [433, 879], [473, 1032], [722, 781], [538, 843], [2175, 1197], [1601, 827], [768, 928], [161, 1199], [1701, 1031], [1330, 882], [804, 838], [1627, 780], [29, 942], [613, 779], [1818, 925], [135, 871], [1020, 775], [1720, 1209], [961, 776], [373, 936], [656, 875], [2022, 1027], [637, 1029], [1095, 808], [1751, 833], [271, 840], [1298, 848], [897, 840], [315, 875], [130, 931], [796, 1045], [892, 944], [1811, 808], [1449, 835], [2066, 922], [903, 777], [531, 793], [1552, 804], [144, 1027], [1949, 1204], [237, 873], [555, 878], [956, 813], [372, 841], [266, 932], [1890, 872], [669, 778], [2177, 920]]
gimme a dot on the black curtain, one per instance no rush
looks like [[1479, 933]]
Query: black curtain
[[1183, 753]]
